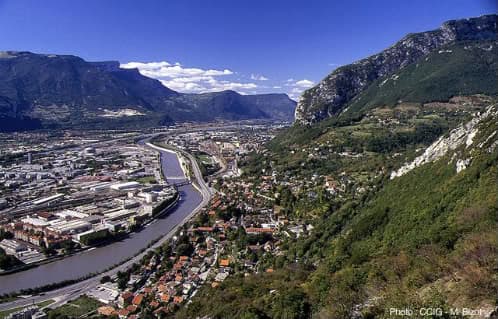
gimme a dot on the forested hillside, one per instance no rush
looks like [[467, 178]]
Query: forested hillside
[[426, 238], [398, 193]]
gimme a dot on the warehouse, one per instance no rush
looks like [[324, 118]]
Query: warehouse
[[125, 186], [70, 227]]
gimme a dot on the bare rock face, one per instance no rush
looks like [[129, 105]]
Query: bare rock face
[[462, 136], [330, 96]]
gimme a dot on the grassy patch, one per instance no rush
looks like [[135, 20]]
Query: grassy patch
[[147, 180], [206, 159], [77, 307]]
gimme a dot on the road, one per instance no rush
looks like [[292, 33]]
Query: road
[[71, 292]]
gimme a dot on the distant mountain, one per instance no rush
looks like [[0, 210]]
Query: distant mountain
[[46, 90], [332, 95]]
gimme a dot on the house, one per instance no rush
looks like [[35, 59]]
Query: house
[[178, 299], [154, 304], [178, 277], [224, 263], [205, 229], [147, 290], [255, 230], [221, 276], [107, 311], [132, 308], [138, 299], [123, 313], [125, 298]]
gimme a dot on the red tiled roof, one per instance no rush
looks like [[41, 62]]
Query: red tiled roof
[[224, 262], [178, 299], [123, 312], [138, 299], [106, 311], [131, 308], [147, 290]]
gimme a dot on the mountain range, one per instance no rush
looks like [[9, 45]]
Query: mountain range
[[48, 90], [336, 92]]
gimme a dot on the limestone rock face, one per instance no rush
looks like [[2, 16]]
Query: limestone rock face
[[330, 96], [462, 136]]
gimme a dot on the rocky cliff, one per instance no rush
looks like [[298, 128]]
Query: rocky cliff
[[462, 136], [333, 93]]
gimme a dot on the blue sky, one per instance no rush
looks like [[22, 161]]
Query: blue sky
[[251, 46]]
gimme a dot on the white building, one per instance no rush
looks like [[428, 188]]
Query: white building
[[125, 186]]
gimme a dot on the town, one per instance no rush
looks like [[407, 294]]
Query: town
[[82, 196], [258, 205]]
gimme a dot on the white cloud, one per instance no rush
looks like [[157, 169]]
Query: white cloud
[[296, 88], [257, 77], [165, 69], [189, 79], [304, 83]]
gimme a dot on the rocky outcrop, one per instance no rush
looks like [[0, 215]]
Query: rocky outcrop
[[462, 136], [332, 94]]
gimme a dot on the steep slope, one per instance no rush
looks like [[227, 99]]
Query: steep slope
[[433, 84], [398, 180], [464, 68], [332, 94], [31, 80], [424, 239], [39, 90]]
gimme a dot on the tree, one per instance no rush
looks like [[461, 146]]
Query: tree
[[105, 279], [184, 249], [5, 234], [123, 278]]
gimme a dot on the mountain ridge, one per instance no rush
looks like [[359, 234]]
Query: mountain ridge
[[332, 94], [50, 90]]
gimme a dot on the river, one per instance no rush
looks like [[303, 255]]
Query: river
[[99, 259]]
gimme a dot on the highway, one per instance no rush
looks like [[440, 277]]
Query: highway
[[65, 294]]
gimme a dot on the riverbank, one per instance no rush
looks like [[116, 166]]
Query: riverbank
[[189, 204], [117, 237]]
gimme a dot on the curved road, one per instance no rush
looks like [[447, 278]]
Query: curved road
[[73, 291]]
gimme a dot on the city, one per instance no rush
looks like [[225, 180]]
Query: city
[[255, 159], [99, 192]]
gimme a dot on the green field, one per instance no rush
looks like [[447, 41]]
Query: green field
[[75, 308]]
